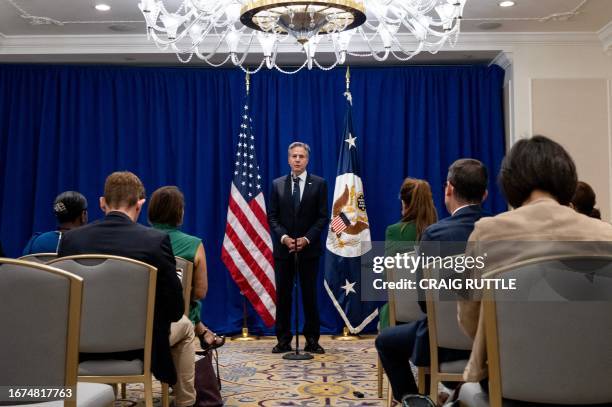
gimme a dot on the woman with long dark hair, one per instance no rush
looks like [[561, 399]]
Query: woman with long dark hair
[[418, 212]]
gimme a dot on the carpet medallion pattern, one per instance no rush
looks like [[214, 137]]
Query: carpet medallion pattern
[[253, 376]]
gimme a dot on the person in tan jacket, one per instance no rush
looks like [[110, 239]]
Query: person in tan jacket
[[538, 178]]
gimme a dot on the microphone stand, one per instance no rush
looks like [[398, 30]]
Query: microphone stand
[[296, 266]]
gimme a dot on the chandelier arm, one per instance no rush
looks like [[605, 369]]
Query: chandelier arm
[[161, 47], [223, 23], [359, 54], [159, 40], [184, 61], [215, 10], [274, 56], [438, 43], [209, 55], [246, 70], [369, 25], [216, 65], [374, 53], [323, 68], [181, 34], [409, 55], [435, 27], [418, 49], [205, 32], [213, 52], [278, 68], [425, 9], [178, 50], [164, 11], [240, 61], [400, 58], [365, 36], [440, 36]]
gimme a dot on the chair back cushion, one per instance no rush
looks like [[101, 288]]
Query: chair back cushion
[[555, 332], [449, 334], [405, 301], [34, 321], [114, 302]]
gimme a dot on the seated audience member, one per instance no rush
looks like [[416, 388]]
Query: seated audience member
[[464, 191], [538, 178], [418, 212], [70, 209], [165, 213], [172, 355], [583, 200]]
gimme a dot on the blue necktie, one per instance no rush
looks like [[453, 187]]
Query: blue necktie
[[296, 193]]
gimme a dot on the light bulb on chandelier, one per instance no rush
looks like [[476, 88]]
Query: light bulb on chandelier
[[235, 29]]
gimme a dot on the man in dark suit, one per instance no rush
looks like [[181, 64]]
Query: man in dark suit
[[464, 191], [172, 355], [297, 216]]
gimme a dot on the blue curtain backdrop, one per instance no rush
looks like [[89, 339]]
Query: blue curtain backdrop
[[68, 127]]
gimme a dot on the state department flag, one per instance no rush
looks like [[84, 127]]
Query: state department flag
[[348, 237]]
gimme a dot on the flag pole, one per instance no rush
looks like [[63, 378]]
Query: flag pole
[[244, 335], [346, 333]]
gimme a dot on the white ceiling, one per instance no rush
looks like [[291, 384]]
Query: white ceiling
[[73, 31]]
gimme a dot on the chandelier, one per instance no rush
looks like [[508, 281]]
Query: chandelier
[[235, 29]]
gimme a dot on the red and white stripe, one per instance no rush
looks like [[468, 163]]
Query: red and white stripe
[[247, 252], [338, 225]]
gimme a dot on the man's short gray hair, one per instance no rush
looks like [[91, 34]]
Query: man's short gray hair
[[299, 144]]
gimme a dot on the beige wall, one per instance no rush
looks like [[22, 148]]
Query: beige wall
[[565, 93]]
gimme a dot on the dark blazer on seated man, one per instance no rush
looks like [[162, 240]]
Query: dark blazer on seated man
[[465, 189], [118, 235]]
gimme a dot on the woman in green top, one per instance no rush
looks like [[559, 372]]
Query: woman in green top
[[166, 211], [418, 212]]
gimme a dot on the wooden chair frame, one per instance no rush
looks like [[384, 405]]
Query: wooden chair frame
[[73, 330], [186, 280], [35, 257], [146, 377]]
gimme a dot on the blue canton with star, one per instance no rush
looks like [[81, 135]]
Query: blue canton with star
[[246, 170]]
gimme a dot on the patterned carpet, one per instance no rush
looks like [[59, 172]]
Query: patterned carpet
[[253, 376]]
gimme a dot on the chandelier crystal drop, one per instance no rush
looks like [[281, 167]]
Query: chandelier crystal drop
[[235, 29]]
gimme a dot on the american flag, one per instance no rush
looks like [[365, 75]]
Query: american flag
[[339, 223], [247, 245]]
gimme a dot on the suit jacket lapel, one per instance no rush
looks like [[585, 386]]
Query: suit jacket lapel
[[307, 188]]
